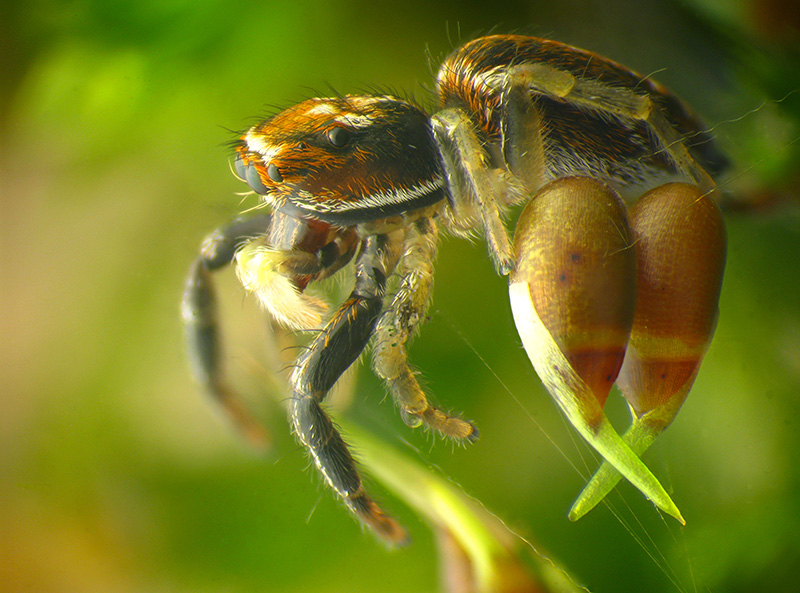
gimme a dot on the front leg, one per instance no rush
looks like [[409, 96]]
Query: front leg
[[199, 312], [332, 352]]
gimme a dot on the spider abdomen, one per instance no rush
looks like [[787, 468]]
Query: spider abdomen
[[592, 112]]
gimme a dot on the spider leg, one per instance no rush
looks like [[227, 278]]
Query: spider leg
[[470, 178], [611, 101], [278, 266], [199, 314], [399, 322], [329, 354], [521, 138]]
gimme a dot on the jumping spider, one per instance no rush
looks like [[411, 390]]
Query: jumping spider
[[373, 178]]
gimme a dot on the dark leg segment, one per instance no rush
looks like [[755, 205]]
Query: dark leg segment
[[219, 248], [331, 352], [199, 314]]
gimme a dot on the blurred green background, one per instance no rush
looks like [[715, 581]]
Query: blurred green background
[[117, 475]]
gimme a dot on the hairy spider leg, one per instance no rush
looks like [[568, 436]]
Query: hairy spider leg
[[330, 353], [518, 112], [399, 322], [199, 312], [521, 139], [607, 100], [471, 181], [299, 254]]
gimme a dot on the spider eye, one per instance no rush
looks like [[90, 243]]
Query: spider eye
[[339, 137], [274, 173], [254, 181], [240, 168]]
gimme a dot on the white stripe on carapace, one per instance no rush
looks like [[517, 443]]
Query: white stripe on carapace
[[397, 196], [256, 143], [322, 107], [355, 120]]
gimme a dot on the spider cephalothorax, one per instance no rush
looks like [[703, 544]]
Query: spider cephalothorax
[[372, 178], [344, 160]]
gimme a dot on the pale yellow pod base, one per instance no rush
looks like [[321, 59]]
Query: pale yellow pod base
[[638, 437], [643, 431], [573, 396]]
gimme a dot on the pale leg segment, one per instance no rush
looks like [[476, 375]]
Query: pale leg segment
[[470, 178], [399, 322], [617, 101]]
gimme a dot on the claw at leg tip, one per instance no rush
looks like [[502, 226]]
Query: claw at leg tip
[[505, 267]]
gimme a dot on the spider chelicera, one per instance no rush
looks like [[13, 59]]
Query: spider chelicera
[[373, 179]]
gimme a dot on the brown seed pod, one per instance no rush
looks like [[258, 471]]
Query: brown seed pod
[[573, 295], [680, 246], [573, 249]]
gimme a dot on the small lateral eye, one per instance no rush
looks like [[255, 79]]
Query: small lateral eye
[[274, 173], [339, 137], [254, 181]]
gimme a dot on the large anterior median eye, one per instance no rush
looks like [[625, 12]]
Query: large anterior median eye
[[240, 168], [249, 173]]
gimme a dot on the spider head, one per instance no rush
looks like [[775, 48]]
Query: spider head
[[343, 160]]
